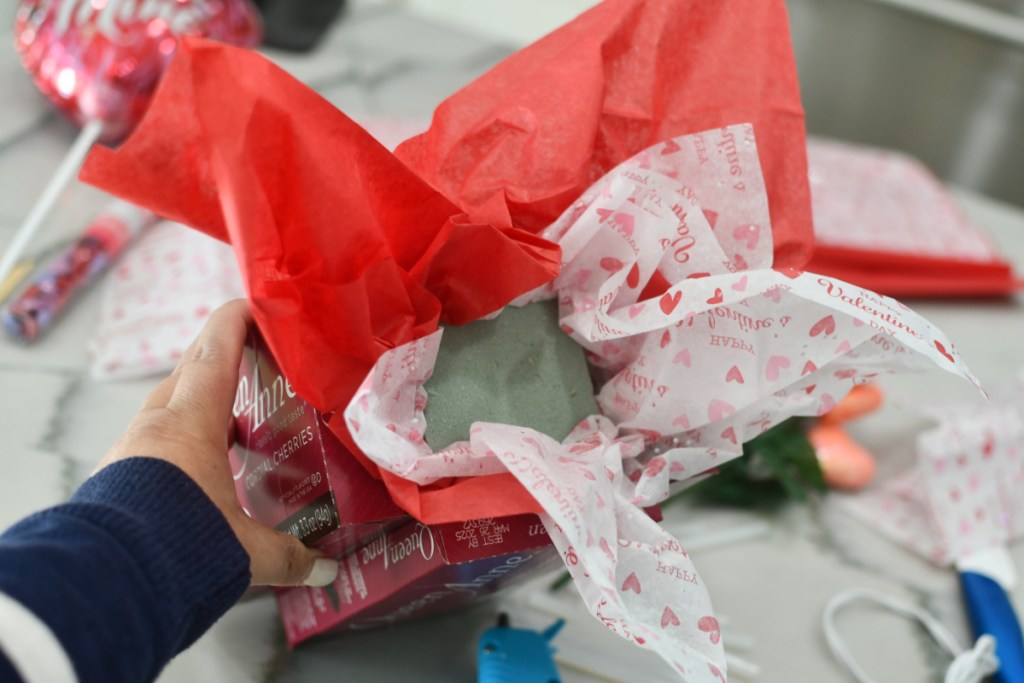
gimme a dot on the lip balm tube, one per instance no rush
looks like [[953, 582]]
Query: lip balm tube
[[36, 308]]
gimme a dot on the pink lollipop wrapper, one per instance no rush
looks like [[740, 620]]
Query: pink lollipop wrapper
[[103, 61]]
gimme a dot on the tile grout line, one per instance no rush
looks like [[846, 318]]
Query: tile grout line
[[279, 658], [21, 369], [55, 430]]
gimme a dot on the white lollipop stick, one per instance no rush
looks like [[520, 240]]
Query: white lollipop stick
[[65, 173]]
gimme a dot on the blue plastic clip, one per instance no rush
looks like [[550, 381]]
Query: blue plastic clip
[[516, 655]]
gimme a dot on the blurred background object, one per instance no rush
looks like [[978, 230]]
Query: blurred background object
[[884, 222], [99, 63], [297, 26], [940, 79]]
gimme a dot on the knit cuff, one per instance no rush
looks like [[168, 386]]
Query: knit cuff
[[179, 538]]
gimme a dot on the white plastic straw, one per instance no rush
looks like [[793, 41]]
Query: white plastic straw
[[602, 661], [721, 537], [64, 174]]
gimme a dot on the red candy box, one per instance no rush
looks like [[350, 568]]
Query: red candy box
[[291, 472], [418, 570]]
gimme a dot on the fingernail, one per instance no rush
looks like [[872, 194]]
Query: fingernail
[[323, 573]]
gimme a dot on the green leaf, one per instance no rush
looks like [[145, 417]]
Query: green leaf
[[776, 466]]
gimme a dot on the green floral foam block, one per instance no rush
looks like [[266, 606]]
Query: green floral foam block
[[517, 369]]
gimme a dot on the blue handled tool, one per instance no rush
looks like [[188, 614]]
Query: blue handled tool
[[975, 509], [985, 579], [516, 655]]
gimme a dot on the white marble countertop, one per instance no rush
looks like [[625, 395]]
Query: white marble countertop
[[383, 61]]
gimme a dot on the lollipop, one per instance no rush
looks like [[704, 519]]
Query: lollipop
[[99, 62]]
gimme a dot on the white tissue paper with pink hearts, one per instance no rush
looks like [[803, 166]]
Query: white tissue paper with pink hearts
[[963, 493], [158, 298], [721, 351]]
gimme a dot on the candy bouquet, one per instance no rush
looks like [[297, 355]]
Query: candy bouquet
[[644, 167]]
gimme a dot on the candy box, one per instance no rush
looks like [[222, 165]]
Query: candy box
[[417, 570], [293, 474], [290, 471]]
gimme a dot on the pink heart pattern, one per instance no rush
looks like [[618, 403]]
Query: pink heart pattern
[[729, 434], [747, 234], [942, 350], [655, 466], [633, 277], [826, 325], [611, 264], [141, 332], [826, 405], [775, 365], [632, 583], [626, 223], [669, 302], [717, 409], [708, 624]]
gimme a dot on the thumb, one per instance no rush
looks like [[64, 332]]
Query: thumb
[[278, 559]]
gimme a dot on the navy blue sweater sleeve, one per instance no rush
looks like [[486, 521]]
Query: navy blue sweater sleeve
[[131, 571], [7, 672]]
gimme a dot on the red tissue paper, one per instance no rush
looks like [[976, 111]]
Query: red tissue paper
[[348, 251]]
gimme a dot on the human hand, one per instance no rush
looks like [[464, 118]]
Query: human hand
[[187, 422]]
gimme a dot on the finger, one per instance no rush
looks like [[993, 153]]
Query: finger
[[282, 560], [161, 394], [208, 376]]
